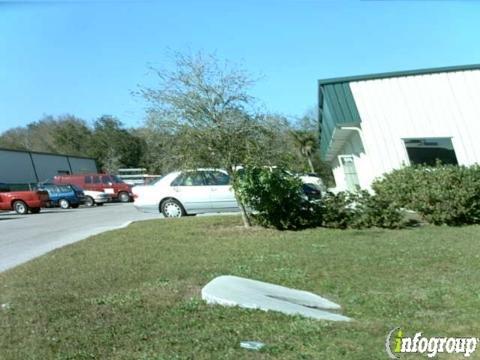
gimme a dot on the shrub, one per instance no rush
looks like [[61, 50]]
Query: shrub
[[359, 210], [445, 194], [375, 211], [276, 198], [337, 210]]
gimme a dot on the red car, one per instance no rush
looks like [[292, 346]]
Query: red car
[[109, 184], [22, 201]]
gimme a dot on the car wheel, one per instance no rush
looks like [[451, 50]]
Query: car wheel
[[124, 197], [172, 209], [35, 210], [89, 201], [64, 204], [20, 207]]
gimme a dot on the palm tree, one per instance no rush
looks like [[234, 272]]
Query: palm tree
[[306, 143]]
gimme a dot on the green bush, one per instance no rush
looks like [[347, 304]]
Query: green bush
[[445, 194], [375, 211], [337, 210], [359, 210], [276, 198]]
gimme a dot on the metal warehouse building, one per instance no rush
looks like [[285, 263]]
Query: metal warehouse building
[[373, 124], [26, 167]]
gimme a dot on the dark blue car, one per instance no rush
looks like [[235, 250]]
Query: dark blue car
[[64, 196]]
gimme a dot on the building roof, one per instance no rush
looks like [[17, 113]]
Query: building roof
[[46, 153], [385, 75]]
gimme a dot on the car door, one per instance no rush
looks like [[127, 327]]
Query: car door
[[88, 183], [107, 185], [53, 193], [190, 189], [222, 197]]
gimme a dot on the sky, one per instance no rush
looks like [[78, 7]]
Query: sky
[[85, 58]]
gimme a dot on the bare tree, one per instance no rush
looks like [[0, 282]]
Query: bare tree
[[205, 104]]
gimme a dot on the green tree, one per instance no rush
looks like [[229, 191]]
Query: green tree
[[71, 136], [113, 146], [308, 129], [16, 139], [306, 143]]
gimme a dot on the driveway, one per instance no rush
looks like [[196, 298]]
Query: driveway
[[23, 238]]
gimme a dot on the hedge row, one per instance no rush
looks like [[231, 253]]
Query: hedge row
[[442, 195]]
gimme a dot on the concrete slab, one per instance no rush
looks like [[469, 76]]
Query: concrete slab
[[253, 294]]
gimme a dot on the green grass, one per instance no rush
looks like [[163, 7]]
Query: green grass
[[135, 293]]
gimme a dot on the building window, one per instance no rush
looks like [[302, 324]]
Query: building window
[[427, 151]]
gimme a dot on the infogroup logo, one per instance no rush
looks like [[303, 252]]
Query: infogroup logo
[[397, 343]]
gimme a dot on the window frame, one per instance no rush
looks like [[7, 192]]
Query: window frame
[[411, 163]]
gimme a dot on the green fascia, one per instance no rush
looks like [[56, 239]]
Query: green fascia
[[337, 108]]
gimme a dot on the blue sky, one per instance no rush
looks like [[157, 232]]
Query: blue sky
[[85, 57]]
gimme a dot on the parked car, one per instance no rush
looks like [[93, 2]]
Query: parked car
[[95, 198], [22, 201], [64, 196], [195, 192], [310, 179], [313, 179], [312, 192], [109, 184], [189, 192]]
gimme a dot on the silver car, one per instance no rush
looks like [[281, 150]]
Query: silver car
[[183, 193]]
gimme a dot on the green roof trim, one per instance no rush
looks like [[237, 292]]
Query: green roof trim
[[399, 74], [337, 107]]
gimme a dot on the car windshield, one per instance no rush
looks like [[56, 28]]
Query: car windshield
[[75, 187], [4, 188], [116, 179]]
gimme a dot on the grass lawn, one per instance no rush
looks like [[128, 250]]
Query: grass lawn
[[135, 293]]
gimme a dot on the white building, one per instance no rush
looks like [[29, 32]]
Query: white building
[[373, 124]]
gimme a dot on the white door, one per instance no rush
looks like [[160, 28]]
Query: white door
[[350, 172], [222, 197], [190, 189]]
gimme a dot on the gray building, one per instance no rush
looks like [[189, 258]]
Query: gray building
[[26, 167]]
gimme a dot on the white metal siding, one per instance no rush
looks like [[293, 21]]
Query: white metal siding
[[434, 105]]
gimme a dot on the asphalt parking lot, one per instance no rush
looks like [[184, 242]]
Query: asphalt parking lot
[[25, 237]]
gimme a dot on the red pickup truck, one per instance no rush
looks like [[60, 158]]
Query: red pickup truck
[[22, 201]]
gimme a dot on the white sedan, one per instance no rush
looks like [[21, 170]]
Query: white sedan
[[95, 198], [183, 193]]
